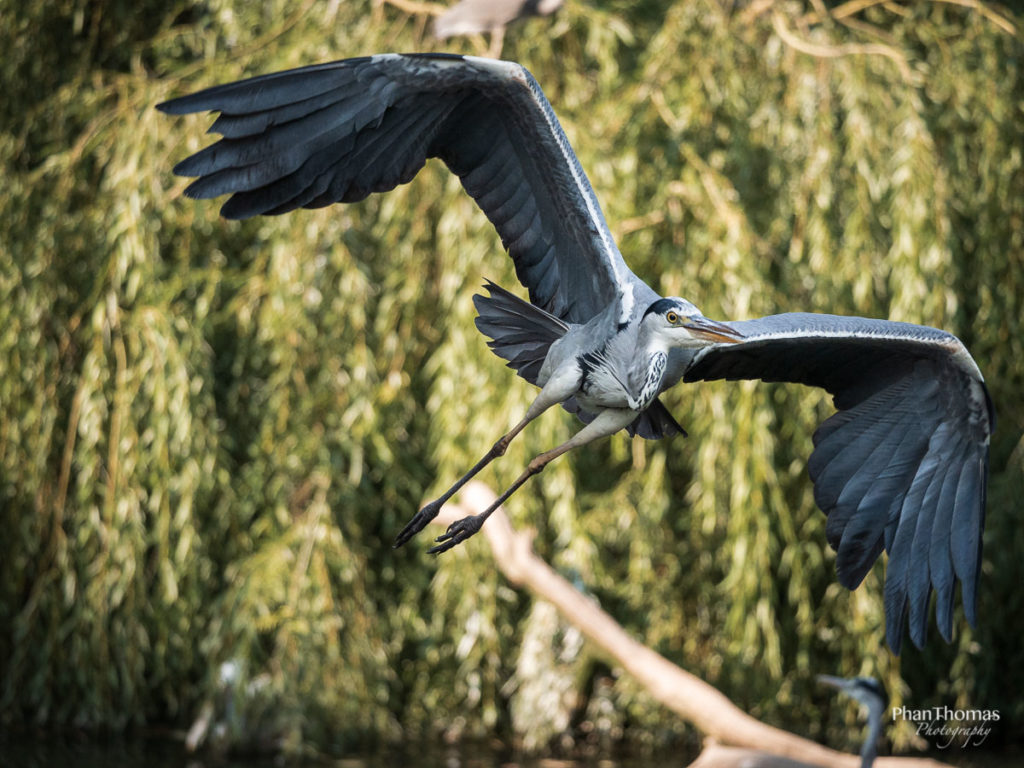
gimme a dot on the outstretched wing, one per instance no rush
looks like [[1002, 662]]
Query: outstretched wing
[[903, 464], [337, 132]]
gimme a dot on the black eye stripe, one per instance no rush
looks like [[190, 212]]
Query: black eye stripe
[[661, 306]]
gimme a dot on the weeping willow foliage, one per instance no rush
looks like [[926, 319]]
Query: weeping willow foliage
[[210, 431]]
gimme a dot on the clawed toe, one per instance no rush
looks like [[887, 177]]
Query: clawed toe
[[418, 522], [457, 533]]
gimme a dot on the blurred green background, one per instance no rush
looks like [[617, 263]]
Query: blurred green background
[[210, 431]]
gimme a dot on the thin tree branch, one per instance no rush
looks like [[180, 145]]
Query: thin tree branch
[[1000, 21], [841, 11], [845, 49], [415, 7], [856, 6]]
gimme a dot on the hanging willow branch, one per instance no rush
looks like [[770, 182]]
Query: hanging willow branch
[[844, 49]]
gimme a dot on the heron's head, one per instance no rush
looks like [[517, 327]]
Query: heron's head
[[866, 690], [680, 324]]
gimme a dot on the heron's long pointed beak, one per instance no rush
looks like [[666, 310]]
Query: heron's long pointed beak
[[831, 681], [713, 331]]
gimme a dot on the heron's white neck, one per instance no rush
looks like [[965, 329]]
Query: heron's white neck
[[647, 370], [870, 749], [650, 341]]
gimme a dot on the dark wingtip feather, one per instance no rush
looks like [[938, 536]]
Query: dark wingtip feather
[[187, 166], [245, 205], [197, 191], [856, 555], [205, 100], [895, 613], [919, 616], [968, 522], [178, 106], [202, 162], [655, 423], [234, 210], [944, 613], [520, 332], [263, 91]]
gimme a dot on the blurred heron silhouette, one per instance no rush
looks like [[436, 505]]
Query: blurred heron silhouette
[[873, 699], [475, 17], [478, 17]]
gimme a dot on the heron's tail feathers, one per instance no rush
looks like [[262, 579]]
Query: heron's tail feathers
[[520, 332]]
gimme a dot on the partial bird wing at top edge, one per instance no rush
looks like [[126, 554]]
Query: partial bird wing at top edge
[[903, 464], [338, 132]]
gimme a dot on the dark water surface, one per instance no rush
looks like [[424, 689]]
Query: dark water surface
[[44, 752], [166, 753]]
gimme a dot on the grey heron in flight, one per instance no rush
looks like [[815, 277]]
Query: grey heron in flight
[[873, 699], [901, 466]]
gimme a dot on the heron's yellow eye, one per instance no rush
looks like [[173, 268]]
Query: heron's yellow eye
[[672, 317]]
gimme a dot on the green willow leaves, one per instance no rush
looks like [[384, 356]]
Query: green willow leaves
[[211, 431]]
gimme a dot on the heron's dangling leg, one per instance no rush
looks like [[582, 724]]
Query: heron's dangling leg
[[430, 510], [559, 387], [607, 423]]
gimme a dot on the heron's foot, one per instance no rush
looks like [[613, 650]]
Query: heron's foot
[[457, 533], [418, 522]]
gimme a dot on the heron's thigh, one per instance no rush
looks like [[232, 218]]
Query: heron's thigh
[[607, 422], [563, 384]]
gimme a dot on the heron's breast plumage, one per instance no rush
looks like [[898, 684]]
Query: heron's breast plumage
[[650, 386], [601, 384]]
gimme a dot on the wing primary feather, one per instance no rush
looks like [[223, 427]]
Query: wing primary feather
[[846, 449], [968, 522], [240, 125], [918, 576], [293, 141], [940, 555], [511, 192], [896, 577], [862, 537], [265, 91]]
